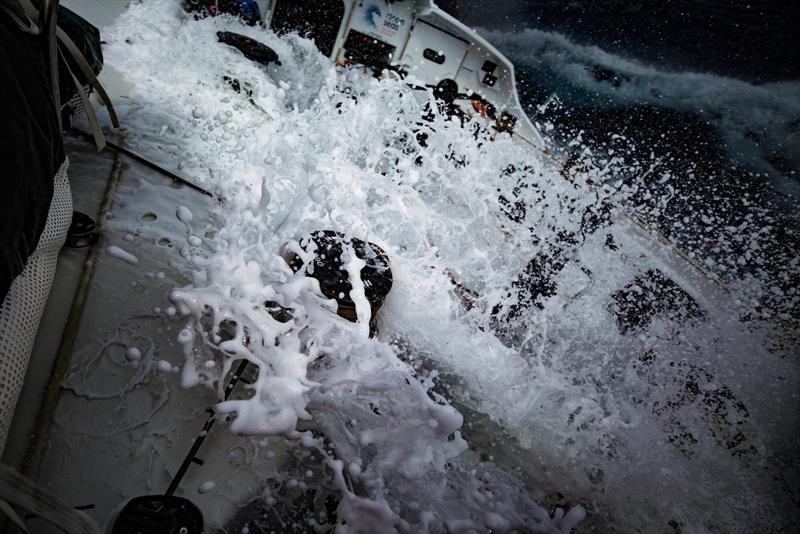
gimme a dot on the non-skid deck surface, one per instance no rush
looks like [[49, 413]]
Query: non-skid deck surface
[[121, 429]]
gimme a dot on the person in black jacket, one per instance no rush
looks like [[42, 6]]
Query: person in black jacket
[[35, 204]]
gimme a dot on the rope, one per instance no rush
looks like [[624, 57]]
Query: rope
[[32, 14], [21, 491]]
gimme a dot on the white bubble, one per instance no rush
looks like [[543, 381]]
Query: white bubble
[[206, 486]]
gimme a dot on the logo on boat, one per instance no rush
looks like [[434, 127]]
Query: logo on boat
[[373, 16]]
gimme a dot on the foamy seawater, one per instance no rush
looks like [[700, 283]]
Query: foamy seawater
[[502, 373]]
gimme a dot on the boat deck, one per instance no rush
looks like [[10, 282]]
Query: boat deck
[[141, 427]]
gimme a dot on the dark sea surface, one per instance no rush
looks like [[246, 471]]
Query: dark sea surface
[[693, 101], [695, 105], [757, 41]]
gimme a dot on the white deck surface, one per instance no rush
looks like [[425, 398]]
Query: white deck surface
[[112, 437]]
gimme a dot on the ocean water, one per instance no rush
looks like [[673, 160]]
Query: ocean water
[[753, 41], [542, 363], [695, 103], [731, 148], [710, 84]]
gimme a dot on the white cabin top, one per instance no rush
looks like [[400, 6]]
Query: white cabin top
[[413, 36]]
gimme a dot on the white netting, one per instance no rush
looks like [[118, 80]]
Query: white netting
[[22, 308], [74, 106]]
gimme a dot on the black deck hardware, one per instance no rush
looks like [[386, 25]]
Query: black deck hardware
[[334, 282], [159, 514], [82, 231], [250, 48]]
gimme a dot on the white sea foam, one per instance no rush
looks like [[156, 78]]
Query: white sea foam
[[556, 394], [122, 254], [206, 486]]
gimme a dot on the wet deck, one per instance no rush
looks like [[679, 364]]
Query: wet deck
[[121, 429]]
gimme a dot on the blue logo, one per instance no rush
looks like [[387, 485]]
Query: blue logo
[[373, 15]]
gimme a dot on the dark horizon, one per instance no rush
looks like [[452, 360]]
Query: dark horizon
[[758, 41]]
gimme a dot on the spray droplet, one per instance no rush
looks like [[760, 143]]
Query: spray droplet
[[133, 354], [184, 214], [206, 486]]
